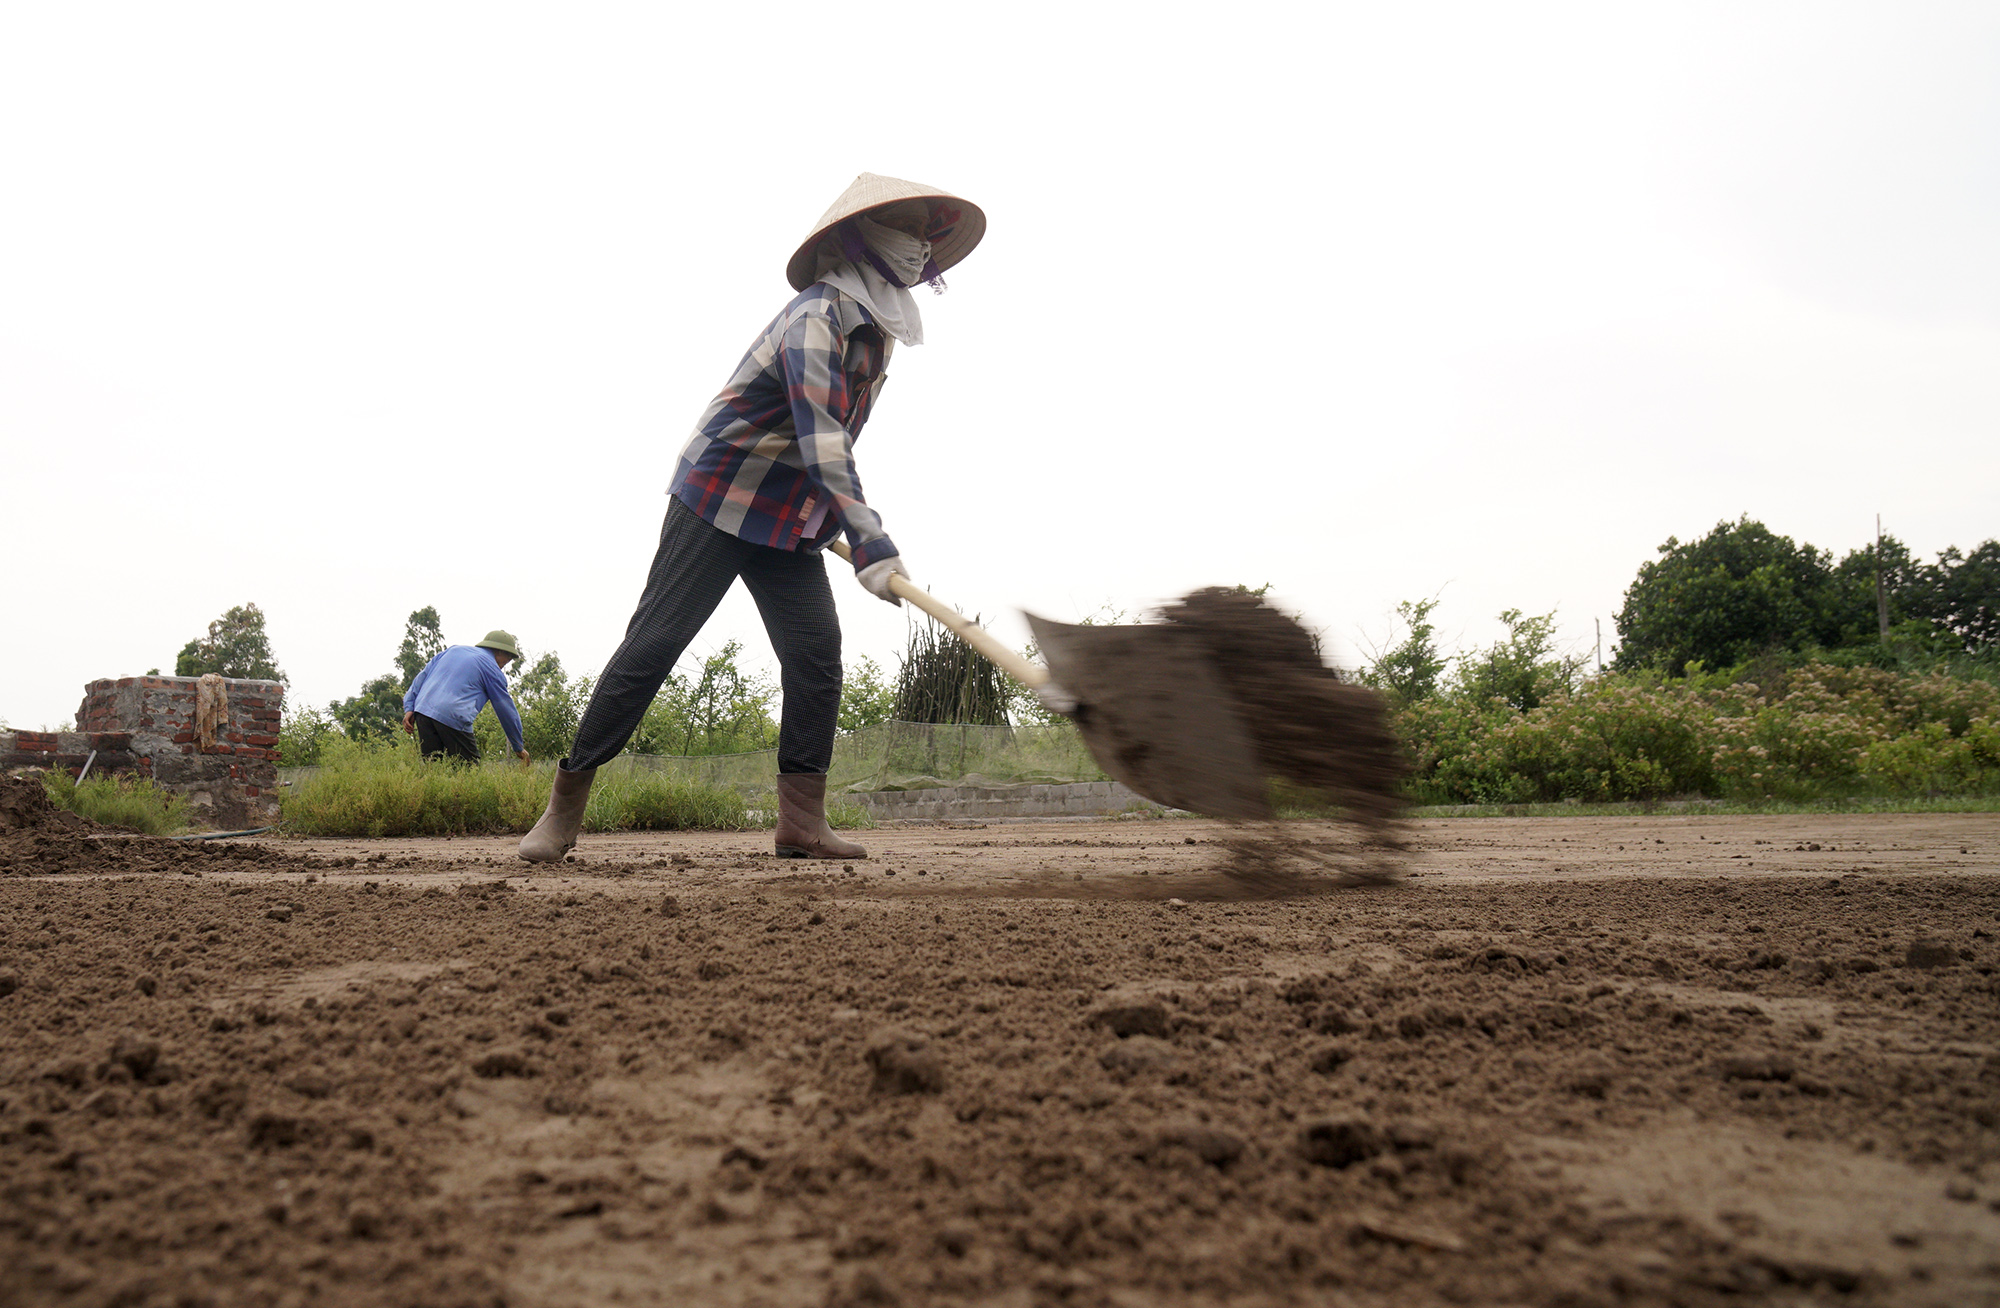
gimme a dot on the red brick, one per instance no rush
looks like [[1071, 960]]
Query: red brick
[[251, 751], [260, 740], [111, 740], [183, 737]]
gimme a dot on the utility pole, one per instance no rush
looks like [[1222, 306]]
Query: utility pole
[[1881, 590]]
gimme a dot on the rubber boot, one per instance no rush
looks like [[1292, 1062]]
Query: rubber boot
[[555, 835], [802, 828]]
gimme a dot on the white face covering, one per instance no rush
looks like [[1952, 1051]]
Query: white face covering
[[889, 303]]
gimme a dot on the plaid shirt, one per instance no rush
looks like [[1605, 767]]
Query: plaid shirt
[[778, 443]]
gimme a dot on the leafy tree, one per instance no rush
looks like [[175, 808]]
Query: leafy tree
[[1735, 593], [376, 712], [550, 704], [1853, 609], [235, 646], [1742, 591], [423, 640], [1964, 595], [723, 710], [866, 696], [303, 736], [1524, 669], [1410, 671]]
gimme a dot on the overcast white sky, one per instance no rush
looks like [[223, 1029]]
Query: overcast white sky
[[349, 309]]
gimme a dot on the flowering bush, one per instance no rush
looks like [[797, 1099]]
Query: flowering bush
[[1815, 731]]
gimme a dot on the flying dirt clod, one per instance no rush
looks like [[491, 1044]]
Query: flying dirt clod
[[1205, 709]]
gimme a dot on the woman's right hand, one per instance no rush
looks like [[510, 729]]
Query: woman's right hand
[[876, 578]]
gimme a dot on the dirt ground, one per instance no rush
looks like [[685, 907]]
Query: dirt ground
[[1567, 1062]]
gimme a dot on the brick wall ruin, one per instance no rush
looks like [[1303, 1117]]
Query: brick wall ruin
[[219, 749]]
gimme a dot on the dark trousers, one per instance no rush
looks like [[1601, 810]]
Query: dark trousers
[[693, 569], [441, 741]]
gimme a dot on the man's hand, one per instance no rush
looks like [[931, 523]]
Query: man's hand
[[522, 754], [410, 722], [876, 578]]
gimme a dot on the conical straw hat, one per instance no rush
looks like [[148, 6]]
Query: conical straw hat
[[957, 224]]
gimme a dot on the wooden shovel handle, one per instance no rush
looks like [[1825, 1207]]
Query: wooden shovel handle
[[1028, 674]]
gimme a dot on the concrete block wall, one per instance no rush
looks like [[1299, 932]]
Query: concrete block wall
[[1081, 799], [146, 726]]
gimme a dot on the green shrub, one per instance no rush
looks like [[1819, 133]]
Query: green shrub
[[646, 801], [133, 802], [1932, 761], [303, 736], [1812, 732], [848, 817]]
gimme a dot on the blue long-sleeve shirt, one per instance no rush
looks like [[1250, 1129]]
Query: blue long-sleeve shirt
[[456, 684]]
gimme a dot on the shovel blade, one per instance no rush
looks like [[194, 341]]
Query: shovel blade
[[1157, 716]]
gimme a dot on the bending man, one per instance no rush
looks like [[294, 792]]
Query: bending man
[[447, 695]]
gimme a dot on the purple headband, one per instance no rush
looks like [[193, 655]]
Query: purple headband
[[855, 249]]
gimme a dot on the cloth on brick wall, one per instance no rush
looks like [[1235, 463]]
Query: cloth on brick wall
[[211, 709]]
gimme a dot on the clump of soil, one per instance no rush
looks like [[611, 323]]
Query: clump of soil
[[25, 806], [1311, 730], [39, 839]]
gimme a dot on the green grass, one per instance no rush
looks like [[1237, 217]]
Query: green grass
[[849, 817], [392, 792], [387, 790], [131, 802], [639, 801]]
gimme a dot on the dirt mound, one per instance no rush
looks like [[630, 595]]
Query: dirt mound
[[39, 839], [25, 806], [1311, 730]]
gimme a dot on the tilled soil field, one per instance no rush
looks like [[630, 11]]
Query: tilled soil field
[[1573, 1062]]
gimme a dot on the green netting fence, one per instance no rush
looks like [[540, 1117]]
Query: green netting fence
[[906, 756]]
